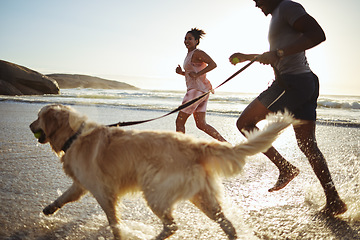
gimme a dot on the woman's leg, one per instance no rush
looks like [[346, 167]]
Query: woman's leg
[[180, 121], [305, 135], [202, 125], [254, 113]]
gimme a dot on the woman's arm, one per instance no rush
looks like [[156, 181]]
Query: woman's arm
[[179, 70], [200, 56]]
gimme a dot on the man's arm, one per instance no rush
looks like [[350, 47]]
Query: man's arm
[[241, 57], [312, 36]]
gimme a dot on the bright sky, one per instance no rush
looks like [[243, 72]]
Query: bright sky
[[141, 42]]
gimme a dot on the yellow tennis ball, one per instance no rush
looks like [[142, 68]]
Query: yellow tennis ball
[[235, 60], [37, 134]]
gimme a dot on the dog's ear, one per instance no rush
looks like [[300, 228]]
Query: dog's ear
[[59, 123], [51, 118], [55, 124]]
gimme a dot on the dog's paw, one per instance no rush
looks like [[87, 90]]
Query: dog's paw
[[50, 209]]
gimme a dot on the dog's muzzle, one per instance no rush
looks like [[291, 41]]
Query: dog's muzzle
[[38, 133]]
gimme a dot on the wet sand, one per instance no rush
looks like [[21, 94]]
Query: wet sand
[[31, 177]]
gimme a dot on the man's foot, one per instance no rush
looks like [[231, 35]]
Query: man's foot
[[334, 208], [284, 178]]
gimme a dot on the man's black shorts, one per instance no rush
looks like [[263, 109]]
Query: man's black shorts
[[297, 93]]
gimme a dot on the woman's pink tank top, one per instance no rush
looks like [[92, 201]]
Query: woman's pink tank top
[[200, 83]]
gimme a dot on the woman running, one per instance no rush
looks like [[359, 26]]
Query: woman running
[[196, 64]]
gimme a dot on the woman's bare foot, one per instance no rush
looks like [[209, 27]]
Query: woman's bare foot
[[284, 178], [334, 208]]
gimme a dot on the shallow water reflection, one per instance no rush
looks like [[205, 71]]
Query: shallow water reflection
[[31, 177]]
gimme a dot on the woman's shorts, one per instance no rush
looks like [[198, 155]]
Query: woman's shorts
[[199, 106], [296, 93]]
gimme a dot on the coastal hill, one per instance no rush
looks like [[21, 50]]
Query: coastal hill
[[19, 80], [85, 81]]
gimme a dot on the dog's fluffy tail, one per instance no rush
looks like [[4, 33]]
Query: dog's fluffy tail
[[228, 161]]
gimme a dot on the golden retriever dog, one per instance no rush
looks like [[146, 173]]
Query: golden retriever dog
[[166, 166]]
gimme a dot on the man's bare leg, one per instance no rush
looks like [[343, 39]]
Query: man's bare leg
[[287, 171], [305, 135], [254, 113]]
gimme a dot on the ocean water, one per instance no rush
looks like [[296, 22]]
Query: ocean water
[[31, 175], [336, 110]]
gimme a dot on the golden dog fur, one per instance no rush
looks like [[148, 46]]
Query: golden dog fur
[[166, 166]]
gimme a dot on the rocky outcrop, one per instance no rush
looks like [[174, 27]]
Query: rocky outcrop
[[84, 81], [19, 80]]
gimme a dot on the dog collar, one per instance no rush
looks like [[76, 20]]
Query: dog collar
[[72, 138]]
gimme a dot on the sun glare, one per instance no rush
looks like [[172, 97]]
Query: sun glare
[[244, 30]]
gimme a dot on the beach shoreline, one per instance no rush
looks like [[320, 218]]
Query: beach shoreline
[[31, 177]]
